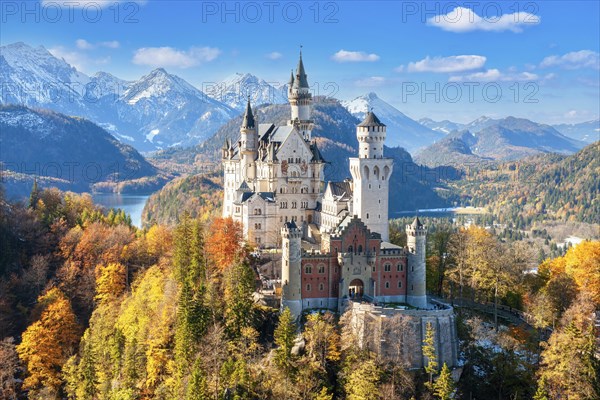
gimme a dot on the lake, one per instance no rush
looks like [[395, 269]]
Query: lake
[[132, 204]]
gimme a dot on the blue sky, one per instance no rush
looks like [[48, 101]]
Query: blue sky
[[444, 60]]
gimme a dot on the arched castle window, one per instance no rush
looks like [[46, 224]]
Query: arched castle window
[[399, 267], [399, 284], [387, 267], [308, 269], [321, 287], [366, 172], [387, 285], [308, 287], [376, 172], [321, 269]]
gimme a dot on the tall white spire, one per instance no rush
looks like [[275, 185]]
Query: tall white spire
[[300, 100]]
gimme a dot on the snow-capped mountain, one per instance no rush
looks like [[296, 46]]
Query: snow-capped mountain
[[157, 111], [234, 91], [401, 130], [588, 132], [444, 126], [480, 124], [34, 77], [170, 111], [503, 139]]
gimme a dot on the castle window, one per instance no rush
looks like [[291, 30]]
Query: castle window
[[367, 215], [387, 267], [321, 287], [321, 269], [293, 204], [308, 269], [399, 284], [258, 240], [308, 287], [387, 285], [399, 267], [257, 211], [373, 269], [412, 268]]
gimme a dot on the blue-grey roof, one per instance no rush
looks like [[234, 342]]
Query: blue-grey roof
[[371, 120], [301, 80], [281, 133], [264, 130], [248, 121], [290, 225]]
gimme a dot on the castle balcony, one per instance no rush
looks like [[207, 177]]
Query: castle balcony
[[348, 257], [294, 179]]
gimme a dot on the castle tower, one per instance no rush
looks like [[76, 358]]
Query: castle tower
[[300, 100], [291, 268], [248, 145], [230, 177], [371, 172], [416, 238]]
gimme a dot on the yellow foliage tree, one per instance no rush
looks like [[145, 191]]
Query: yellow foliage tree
[[582, 262], [48, 342], [111, 281], [159, 239]]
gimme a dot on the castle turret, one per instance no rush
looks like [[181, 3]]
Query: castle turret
[[248, 144], [416, 239], [371, 172], [300, 100], [291, 260]]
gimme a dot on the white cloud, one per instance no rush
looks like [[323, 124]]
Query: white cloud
[[83, 44], [495, 75], [80, 61], [170, 57], [354, 56], [112, 44], [274, 55], [371, 81], [89, 3], [446, 64], [573, 60], [463, 19]]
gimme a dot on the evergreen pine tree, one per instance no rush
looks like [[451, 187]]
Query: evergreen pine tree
[[197, 387], [284, 336], [34, 196], [429, 351]]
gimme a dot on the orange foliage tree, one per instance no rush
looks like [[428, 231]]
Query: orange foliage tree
[[224, 242], [48, 342], [111, 282]]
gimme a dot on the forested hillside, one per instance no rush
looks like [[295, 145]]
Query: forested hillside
[[199, 195], [92, 308], [72, 153], [545, 187]]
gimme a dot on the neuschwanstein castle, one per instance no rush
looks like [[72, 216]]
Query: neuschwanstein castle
[[334, 235]]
